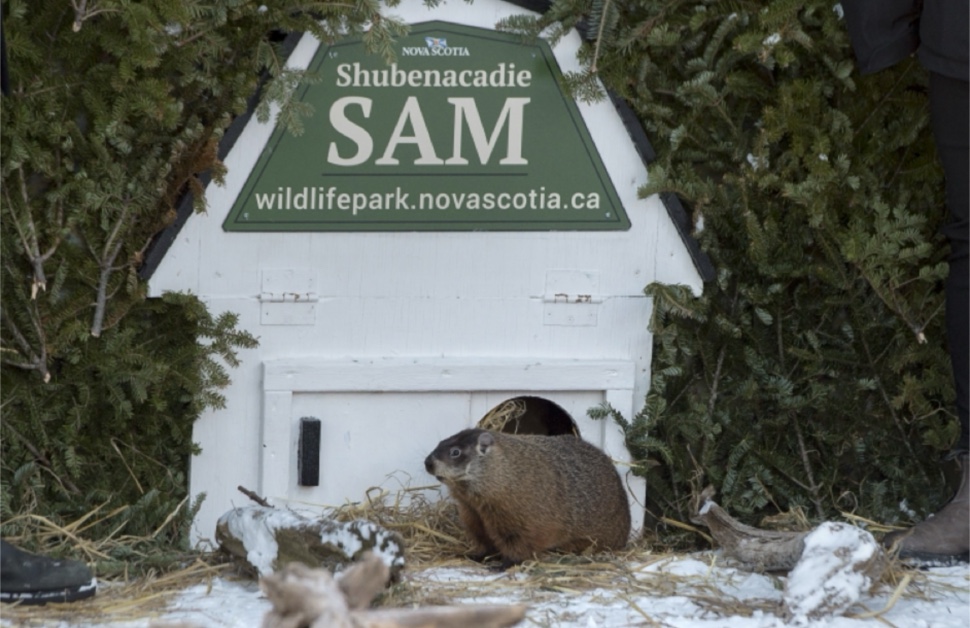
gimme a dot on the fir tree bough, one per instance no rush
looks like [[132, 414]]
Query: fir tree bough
[[812, 373], [115, 110]]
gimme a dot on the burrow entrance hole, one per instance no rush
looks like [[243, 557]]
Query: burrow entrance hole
[[529, 415]]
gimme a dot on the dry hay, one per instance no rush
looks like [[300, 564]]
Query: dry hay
[[513, 416], [429, 528], [142, 599], [499, 416], [631, 577], [436, 572], [435, 543]]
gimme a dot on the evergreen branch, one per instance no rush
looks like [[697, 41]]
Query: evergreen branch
[[82, 13], [114, 444], [646, 27], [599, 35], [936, 312], [35, 362], [722, 353], [26, 366], [101, 300], [780, 337], [190, 39], [892, 300], [903, 77], [901, 162], [713, 386], [792, 478], [890, 408], [29, 240], [813, 487], [112, 249], [114, 241], [67, 87], [684, 390], [11, 325], [42, 460], [767, 493]]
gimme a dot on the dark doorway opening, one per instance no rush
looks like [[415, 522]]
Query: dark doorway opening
[[529, 415]]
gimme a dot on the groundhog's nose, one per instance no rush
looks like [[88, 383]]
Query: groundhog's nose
[[429, 464]]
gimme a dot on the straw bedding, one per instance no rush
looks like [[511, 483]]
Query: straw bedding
[[141, 586]]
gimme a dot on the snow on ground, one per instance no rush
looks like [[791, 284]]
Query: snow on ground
[[688, 591], [695, 591], [836, 568]]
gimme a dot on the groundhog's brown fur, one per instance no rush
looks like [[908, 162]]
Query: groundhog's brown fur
[[519, 495]]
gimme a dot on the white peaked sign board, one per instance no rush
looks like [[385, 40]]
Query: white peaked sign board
[[396, 340]]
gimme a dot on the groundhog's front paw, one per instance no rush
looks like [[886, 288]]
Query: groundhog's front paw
[[492, 559], [504, 565], [481, 556]]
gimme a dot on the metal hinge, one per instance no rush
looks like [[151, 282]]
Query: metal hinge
[[288, 297], [571, 298]]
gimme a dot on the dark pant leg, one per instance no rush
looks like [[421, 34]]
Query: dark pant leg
[[950, 111]]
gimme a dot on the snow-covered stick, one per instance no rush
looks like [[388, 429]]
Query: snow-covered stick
[[829, 568], [756, 549], [254, 496], [840, 565]]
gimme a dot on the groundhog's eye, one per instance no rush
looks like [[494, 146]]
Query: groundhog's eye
[[454, 452]]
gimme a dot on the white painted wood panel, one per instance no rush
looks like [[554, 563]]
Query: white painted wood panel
[[372, 440], [445, 374], [381, 417]]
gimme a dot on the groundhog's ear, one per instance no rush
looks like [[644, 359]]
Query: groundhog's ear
[[485, 440]]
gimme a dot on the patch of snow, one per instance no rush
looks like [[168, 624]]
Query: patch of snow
[[906, 510], [223, 603], [256, 528], [684, 591], [831, 574], [757, 163], [772, 40], [706, 507], [350, 538]]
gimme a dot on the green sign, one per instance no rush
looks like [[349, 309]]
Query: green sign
[[468, 130]]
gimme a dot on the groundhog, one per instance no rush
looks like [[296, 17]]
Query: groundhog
[[519, 495]]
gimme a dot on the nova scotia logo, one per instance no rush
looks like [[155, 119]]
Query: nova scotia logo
[[435, 47]]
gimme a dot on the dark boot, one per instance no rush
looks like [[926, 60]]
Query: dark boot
[[31, 579], [943, 537]]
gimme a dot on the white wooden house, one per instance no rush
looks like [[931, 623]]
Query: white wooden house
[[391, 340]]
